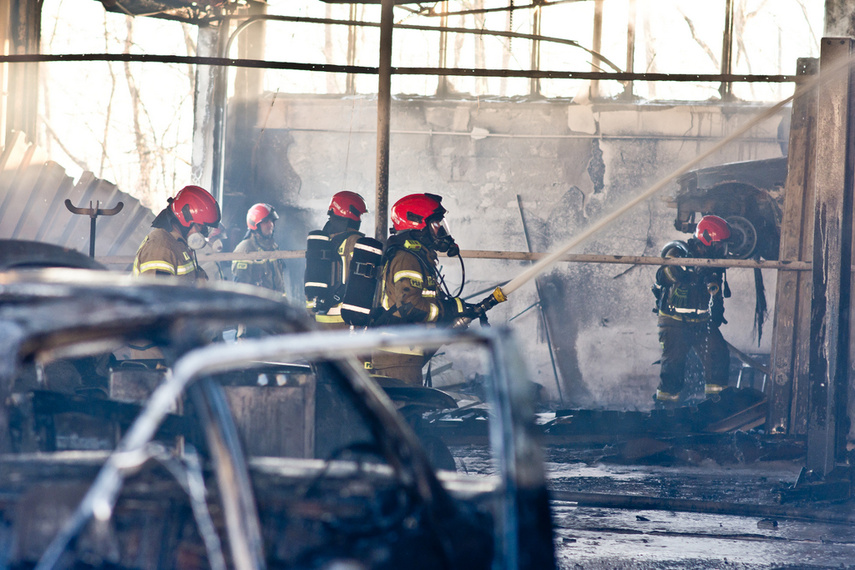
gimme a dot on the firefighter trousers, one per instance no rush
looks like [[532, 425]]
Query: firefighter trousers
[[677, 338]]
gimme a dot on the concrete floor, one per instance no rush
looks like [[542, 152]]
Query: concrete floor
[[614, 538]]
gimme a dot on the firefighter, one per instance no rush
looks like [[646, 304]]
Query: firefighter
[[179, 230], [267, 273], [412, 288], [342, 229], [690, 304]]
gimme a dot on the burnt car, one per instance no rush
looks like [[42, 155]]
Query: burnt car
[[749, 195], [274, 452], [24, 254]]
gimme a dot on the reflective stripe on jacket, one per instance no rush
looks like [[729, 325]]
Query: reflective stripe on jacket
[[161, 252]]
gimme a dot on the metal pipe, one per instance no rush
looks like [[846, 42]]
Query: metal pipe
[[726, 88], [350, 82], [463, 72], [384, 99], [442, 83], [534, 87], [596, 44], [509, 8], [540, 306], [630, 47], [417, 27]]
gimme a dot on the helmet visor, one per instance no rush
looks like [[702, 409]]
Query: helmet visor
[[202, 229], [717, 249], [439, 229]]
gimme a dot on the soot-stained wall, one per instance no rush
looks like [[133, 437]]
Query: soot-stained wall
[[567, 165]]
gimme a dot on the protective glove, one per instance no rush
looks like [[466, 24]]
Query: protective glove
[[456, 307]]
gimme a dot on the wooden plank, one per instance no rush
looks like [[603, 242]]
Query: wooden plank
[[792, 266], [792, 301]]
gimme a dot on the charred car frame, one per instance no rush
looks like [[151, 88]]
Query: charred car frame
[[180, 490]]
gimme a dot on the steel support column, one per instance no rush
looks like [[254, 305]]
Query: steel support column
[[384, 98], [839, 18], [206, 157], [832, 254], [24, 29], [726, 88]]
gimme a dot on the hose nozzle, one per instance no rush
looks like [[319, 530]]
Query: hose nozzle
[[496, 297]]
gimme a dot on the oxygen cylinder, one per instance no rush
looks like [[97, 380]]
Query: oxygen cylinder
[[318, 277], [361, 283], [676, 248]]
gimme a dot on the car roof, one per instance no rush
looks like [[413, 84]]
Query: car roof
[[58, 308], [19, 254]]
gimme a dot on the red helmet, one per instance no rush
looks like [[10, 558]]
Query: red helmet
[[194, 205], [412, 212], [260, 213], [348, 205], [712, 229]]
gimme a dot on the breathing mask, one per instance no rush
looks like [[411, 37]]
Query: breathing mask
[[441, 237], [196, 241]]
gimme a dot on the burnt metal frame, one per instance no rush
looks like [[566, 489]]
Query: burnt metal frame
[[832, 253], [511, 433]]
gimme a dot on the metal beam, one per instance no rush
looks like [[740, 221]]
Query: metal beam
[[384, 99], [208, 122]]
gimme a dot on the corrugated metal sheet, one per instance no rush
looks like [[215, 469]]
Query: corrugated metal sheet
[[33, 191]]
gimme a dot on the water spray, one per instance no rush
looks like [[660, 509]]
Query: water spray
[[500, 294]]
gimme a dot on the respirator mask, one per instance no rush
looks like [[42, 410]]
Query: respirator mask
[[196, 241], [441, 237], [215, 239]]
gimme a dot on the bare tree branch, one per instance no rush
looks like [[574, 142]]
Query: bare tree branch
[[109, 110], [710, 53]]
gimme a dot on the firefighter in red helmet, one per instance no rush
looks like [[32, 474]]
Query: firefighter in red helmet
[[179, 230], [690, 304], [339, 236], [412, 288], [267, 273]]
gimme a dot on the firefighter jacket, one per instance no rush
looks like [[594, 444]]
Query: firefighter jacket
[[343, 244], [267, 273], [690, 294], [161, 253], [410, 285]]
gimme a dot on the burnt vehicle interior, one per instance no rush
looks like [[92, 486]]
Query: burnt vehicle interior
[[276, 452], [749, 195]]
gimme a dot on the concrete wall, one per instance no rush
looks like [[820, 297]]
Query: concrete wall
[[570, 164]]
